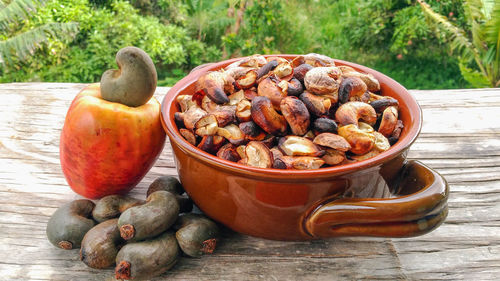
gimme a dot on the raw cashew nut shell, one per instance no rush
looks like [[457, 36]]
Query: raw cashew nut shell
[[134, 83]]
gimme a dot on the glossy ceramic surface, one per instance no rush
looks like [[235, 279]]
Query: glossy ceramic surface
[[381, 196]]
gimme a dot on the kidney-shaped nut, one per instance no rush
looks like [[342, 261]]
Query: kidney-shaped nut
[[241, 151], [207, 125], [298, 60], [360, 140], [296, 114], [150, 219], [188, 135], [111, 206], [185, 102], [332, 141], [397, 132], [389, 121], [346, 69], [264, 115], [284, 70], [333, 157], [318, 60], [265, 69], [276, 152], [69, 223], [325, 125], [134, 83], [208, 105], [268, 88], [317, 105], [381, 142], [381, 104], [351, 87], [179, 119], [258, 155], [352, 112], [243, 111], [300, 71], [299, 162], [147, 259], [101, 244], [294, 87], [172, 184], [215, 84], [196, 234], [211, 144], [225, 115], [192, 115], [228, 152], [280, 164], [238, 71], [322, 80], [251, 93], [251, 61], [236, 97], [232, 133], [371, 82], [299, 146], [248, 80], [166, 183], [276, 58], [252, 131]]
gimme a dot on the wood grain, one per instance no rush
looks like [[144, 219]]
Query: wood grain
[[460, 138]]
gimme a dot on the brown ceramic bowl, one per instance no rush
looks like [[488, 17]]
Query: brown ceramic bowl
[[384, 196]]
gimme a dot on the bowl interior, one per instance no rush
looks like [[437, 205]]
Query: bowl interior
[[409, 113]]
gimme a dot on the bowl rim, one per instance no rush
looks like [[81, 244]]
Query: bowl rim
[[398, 148]]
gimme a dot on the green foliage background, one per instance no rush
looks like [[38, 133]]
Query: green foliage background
[[392, 36]]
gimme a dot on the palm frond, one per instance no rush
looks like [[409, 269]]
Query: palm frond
[[476, 18], [488, 7], [21, 46], [17, 9], [460, 40], [492, 38], [474, 10]]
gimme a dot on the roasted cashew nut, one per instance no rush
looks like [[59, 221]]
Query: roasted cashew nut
[[360, 138], [389, 121], [296, 114], [318, 60], [351, 112], [351, 87], [371, 82], [264, 115], [269, 88], [299, 162], [322, 80], [317, 105], [185, 102], [215, 84]]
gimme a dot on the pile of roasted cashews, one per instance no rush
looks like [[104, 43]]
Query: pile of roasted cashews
[[305, 113]]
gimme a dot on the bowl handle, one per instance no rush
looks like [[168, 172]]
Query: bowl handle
[[421, 208]]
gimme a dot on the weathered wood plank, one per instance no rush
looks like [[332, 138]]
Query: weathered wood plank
[[460, 138]]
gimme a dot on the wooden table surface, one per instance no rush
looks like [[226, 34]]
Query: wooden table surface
[[460, 138]]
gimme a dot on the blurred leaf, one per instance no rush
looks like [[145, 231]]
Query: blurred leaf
[[474, 77], [16, 10]]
